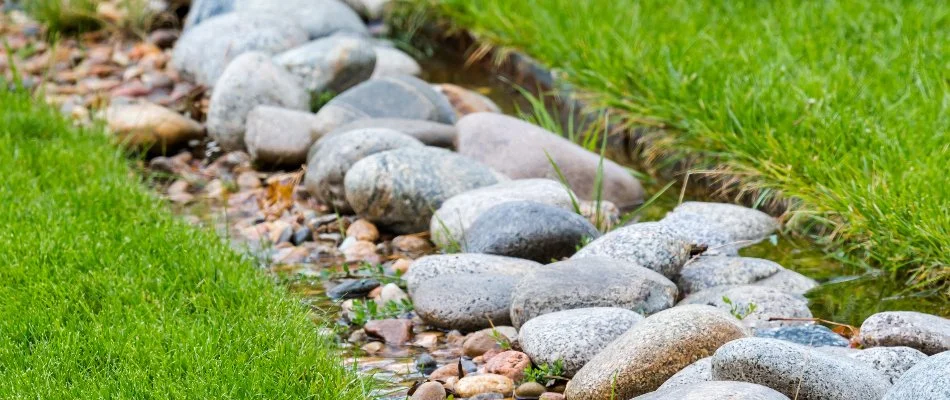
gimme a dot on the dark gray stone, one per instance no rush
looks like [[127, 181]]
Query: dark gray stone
[[715, 390], [279, 136], [429, 267], [797, 371], [428, 132], [807, 335], [426, 364], [352, 289], [893, 362], [318, 18], [400, 189], [529, 230], [925, 332], [649, 245], [302, 235], [332, 157], [333, 64], [706, 272], [697, 372], [574, 336], [464, 302], [928, 380], [590, 282], [767, 302]]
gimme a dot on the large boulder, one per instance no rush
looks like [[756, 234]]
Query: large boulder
[[715, 390], [590, 282], [927, 333], [332, 157], [400, 189], [250, 80], [279, 136], [464, 302], [574, 336], [333, 64], [928, 380], [649, 245], [755, 304], [648, 354], [797, 371], [204, 52], [706, 272], [429, 267], [148, 125], [521, 150], [318, 18], [457, 214]]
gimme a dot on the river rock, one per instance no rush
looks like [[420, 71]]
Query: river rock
[[741, 223], [429, 267], [589, 282], [715, 390], [480, 342], [333, 64], [390, 61], [148, 125], [520, 150], [768, 303], [509, 363], [807, 335], [428, 132], [470, 386], [457, 214], [928, 380], [402, 188], [429, 391], [529, 230], [702, 232], [318, 18], [927, 333], [711, 271], [465, 302], [893, 362], [201, 10], [529, 390], [397, 96], [251, 80], [465, 101], [697, 372], [279, 136], [332, 157], [574, 336], [204, 52], [393, 331], [797, 371], [649, 244], [652, 351]]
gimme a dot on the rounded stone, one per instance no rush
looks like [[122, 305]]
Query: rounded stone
[[702, 232], [797, 371], [429, 391], [333, 64], [529, 230], [574, 336], [807, 335], [928, 380], [640, 360], [589, 282], [649, 245], [464, 302], [893, 362], [401, 188], [251, 80], [530, 390], [697, 372], [331, 158], [755, 304], [148, 125], [201, 10], [428, 132], [509, 363], [925, 332], [479, 343], [390, 61], [715, 390], [431, 266], [278, 136], [741, 223], [710, 271], [318, 18], [473, 385]]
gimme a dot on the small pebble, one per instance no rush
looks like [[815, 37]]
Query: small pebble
[[363, 230], [530, 390]]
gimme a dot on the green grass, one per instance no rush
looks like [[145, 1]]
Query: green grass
[[842, 106], [107, 295]]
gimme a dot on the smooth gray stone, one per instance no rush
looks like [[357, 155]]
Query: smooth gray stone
[[251, 80], [391, 61], [333, 64], [428, 132], [278, 136], [529, 230], [711, 271], [464, 302], [649, 245], [457, 214], [400, 189], [431, 266], [806, 335], [205, 51], [697, 372], [925, 332], [332, 157], [715, 390], [741, 223], [797, 371], [893, 362], [928, 380], [203, 9], [574, 336], [318, 18], [769, 303], [590, 282]]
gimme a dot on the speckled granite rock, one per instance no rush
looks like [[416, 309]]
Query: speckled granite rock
[[807, 335], [893, 362], [333, 64], [318, 18], [927, 333], [432, 266], [649, 245], [715, 390], [928, 380], [768, 303], [700, 231], [656, 348], [710, 271], [589, 282], [464, 302], [574, 336], [697, 372], [279, 136], [797, 371], [741, 223]]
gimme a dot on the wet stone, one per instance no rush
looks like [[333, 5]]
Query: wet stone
[[352, 289], [426, 363], [711, 271], [741, 223], [807, 335], [392, 331]]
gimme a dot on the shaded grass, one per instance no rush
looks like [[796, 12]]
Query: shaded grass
[[106, 295], [842, 106]]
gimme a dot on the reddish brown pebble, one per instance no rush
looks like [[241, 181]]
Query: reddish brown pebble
[[393, 331], [509, 363]]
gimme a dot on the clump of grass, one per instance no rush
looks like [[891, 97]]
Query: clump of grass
[[106, 294], [544, 373]]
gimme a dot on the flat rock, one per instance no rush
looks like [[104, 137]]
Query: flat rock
[[520, 150], [928, 380], [331, 64], [279, 136], [806, 335], [925, 332], [464, 302], [401, 188], [391, 61], [457, 214], [318, 18], [711, 271], [428, 132], [251, 80], [393, 331], [649, 245], [474, 385], [767, 303], [574, 336], [205, 51], [656, 348], [148, 125], [589, 282], [429, 267], [797, 371], [331, 158], [715, 390], [697, 372], [529, 230], [893, 362]]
